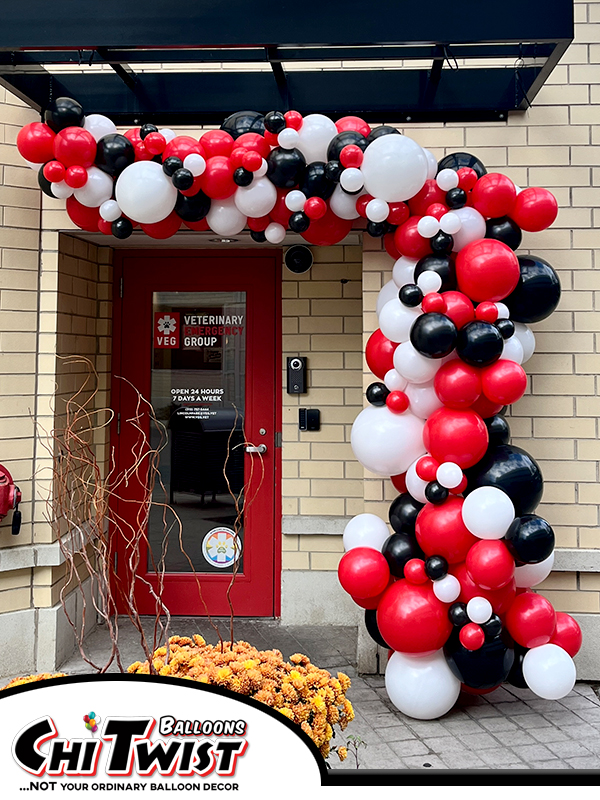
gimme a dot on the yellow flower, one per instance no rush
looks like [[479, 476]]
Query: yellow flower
[[342, 753]]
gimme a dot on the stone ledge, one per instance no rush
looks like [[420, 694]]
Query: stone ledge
[[38, 555], [572, 559], [306, 525]]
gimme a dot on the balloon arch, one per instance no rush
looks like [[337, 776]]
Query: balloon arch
[[449, 592]]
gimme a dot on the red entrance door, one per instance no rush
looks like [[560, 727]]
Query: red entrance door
[[196, 334]]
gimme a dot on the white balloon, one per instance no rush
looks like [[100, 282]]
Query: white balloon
[[428, 226], [525, 335], [479, 610], [488, 512], [257, 199], [60, 190], [415, 486], [288, 138], [110, 211], [99, 188], [387, 443], [144, 193], [388, 292], [294, 200], [413, 366], [425, 687], [394, 381], [423, 399], [225, 218], [275, 233], [316, 133], [352, 179], [503, 312], [168, 134], [447, 589], [449, 475], [396, 319], [99, 125], [549, 671], [377, 210], [432, 164], [429, 281], [394, 168], [404, 271], [531, 574], [365, 530], [262, 170], [451, 223], [195, 163], [447, 179], [512, 350], [472, 227], [343, 204]]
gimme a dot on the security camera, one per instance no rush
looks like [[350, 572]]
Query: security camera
[[298, 259]]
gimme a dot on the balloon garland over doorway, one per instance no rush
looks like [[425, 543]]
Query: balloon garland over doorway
[[449, 592]]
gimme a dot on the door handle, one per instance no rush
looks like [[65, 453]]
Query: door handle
[[261, 448]]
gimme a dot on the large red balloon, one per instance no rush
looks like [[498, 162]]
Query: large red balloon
[[364, 572], [35, 142], [85, 218], [75, 147], [353, 124], [254, 141], [494, 195], [531, 620], [486, 408], [411, 619], [567, 634], [459, 308], [390, 246], [487, 269], [429, 194], [457, 384], [504, 382], [165, 228], [217, 143], [500, 599], [379, 353], [535, 209], [490, 564], [459, 436], [182, 146], [409, 241], [327, 230], [217, 179], [440, 531]]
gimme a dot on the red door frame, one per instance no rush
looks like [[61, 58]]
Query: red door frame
[[273, 255]]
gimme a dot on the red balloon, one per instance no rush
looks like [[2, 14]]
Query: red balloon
[[369, 603], [436, 210], [216, 143], [504, 382], [182, 146], [252, 160], [486, 311], [490, 564], [75, 146], [54, 171], [409, 241], [485, 408], [364, 572], [84, 217], [35, 142], [258, 223], [351, 156], [165, 228], [459, 436], [399, 482], [105, 227], [433, 302], [362, 203], [280, 212], [461, 486], [500, 599], [201, 225], [426, 468], [353, 124], [217, 179], [293, 119], [254, 142], [141, 154], [414, 571], [494, 195], [458, 385], [399, 213], [327, 230], [535, 209], [567, 634], [397, 402], [194, 188], [76, 177], [429, 194], [390, 246], [531, 620], [411, 619], [471, 636], [315, 208], [440, 531], [487, 269], [459, 308], [379, 353], [133, 134], [155, 143], [467, 178]]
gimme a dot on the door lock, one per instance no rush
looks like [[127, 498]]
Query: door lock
[[261, 449]]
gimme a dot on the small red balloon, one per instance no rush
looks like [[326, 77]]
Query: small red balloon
[[467, 178], [409, 241], [440, 531], [414, 571], [397, 402], [457, 385], [471, 636], [494, 195], [141, 154], [399, 482], [351, 156], [35, 142], [487, 312], [458, 436], [84, 217], [490, 564], [201, 225], [217, 179], [459, 308], [76, 177], [75, 146], [399, 213], [531, 620], [165, 228], [500, 599], [327, 230], [504, 382], [487, 269], [254, 142], [379, 353], [280, 213], [237, 156], [353, 124], [411, 619], [429, 194], [436, 210], [426, 468], [293, 119], [182, 146], [105, 227], [535, 209], [567, 634], [363, 572], [315, 208], [461, 486], [216, 143], [434, 302], [485, 407], [155, 143], [258, 223], [54, 171], [362, 203], [252, 161]]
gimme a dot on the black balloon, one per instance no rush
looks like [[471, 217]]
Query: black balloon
[[440, 264], [436, 493], [511, 469], [146, 129], [498, 430], [299, 222], [122, 228], [403, 513], [44, 184], [285, 167], [457, 160], [530, 539], [333, 170], [515, 676], [398, 551], [242, 177], [479, 343], [244, 122], [377, 394], [171, 165], [504, 230], [442, 243], [433, 335], [337, 144], [373, 628], [182, 179], [114, 152], [456, 198], [537, 293], [493, 627], [457, 614], [506, 327], [375, 229], [436, 567], [258, 236], [484, 668], [194, 208], [381, 130], [315, 182], [274, 122], [410, 295], [64, 112]]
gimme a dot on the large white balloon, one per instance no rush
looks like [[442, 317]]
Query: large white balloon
[[432, 164], [343, 204], [488, 512], [413, 366], [422, 688], [225, 218], [388, 292], [423, 399], [525, 335], [404, 271], [549, 671], [314, 136], [415, 486], [99, 125], [257, 199], [387, 443], [396, 319], [98, 189], [472, 227], [394, 168], [365, 530], [531, 574], [512, 350], [144, 193]]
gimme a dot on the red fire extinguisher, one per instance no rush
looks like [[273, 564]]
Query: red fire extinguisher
[[10, 497]]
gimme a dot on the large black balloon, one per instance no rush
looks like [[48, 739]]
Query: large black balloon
[[515, 676], [381, 130], [511, 469], [457, 160], [114, 152], [244, 122], [504, 230], [530, 539], [442, 266], [194, 208], [44, 183], [536, 294], [373, 628], [315, 182], [484, 668], [398, 551], [286, 168], [403, 513], [479, 343], [433, 335], [498, 430], [64, 112], [337, 144]]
